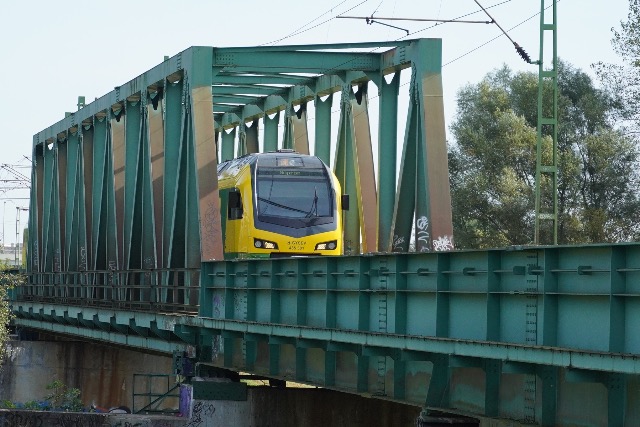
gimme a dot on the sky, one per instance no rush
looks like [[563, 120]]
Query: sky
[[52, 52]]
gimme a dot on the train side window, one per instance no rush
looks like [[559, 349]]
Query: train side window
[[234, 207]]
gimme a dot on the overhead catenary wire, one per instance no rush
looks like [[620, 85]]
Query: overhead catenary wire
[[458, 18], [466, 53], [302, 29], [15, 173], [380, 18], [493, 39], [523, 54], [460, 56]]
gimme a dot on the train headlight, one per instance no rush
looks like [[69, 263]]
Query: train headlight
[[324, 246], [264, 244]]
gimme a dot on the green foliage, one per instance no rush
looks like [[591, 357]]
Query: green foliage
[[7, 404], [63, 398], [623, 81], [492, 163], [8, 281], [59, 398], [36, 405]]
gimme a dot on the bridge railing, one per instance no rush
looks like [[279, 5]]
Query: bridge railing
[[161, 290]]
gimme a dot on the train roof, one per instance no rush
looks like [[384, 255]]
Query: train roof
[[280, 158]]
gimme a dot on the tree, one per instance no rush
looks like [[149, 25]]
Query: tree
[[492, 162], [8, 281], [623, 81]]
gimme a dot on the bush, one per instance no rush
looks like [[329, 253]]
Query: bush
[[63, 398], [60, 398]]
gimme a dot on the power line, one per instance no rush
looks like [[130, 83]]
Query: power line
[[524, 55], [379, 18], [493, 39], [466, 53], [460, 17], [15, 173], [302, 30]]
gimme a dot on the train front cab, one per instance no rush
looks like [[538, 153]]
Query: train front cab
[[281, 204]]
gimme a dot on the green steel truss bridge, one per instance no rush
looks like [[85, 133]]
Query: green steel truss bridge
[[125, 245]]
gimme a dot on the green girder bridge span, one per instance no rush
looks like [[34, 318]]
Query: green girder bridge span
[[125, 245]]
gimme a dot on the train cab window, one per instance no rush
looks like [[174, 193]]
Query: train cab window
[[294, 193]]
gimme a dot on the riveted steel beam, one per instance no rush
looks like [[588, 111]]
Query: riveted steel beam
[[302, 62]]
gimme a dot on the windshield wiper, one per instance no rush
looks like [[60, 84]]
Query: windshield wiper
[[271, 202], [314, 205]]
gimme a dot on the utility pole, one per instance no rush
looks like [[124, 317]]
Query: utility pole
[[4, 218], [17, 252], [547, 166]]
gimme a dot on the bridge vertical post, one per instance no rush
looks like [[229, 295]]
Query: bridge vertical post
[[70, 220], [242, 140], [365, 174], [104, 200], [109, 235], [492, 312], [387, 155], [142, 246], [549, 377], [74, 198], [228, 314], [228, 142], [274, 316], [50, 216], [493, 375], [323, 128], [34, 263], [251, 316], [399, 284], [287, 133], [434, 156], [62, 147], [200, 80], [343, 167], [126, 213], [120, 165], [405, 202], [252, 140], [85, 210], [295, 130], [157, 153], [330, 319], [442, 296], [87, 177], [364, 316], [354, 169], [617, 399], [172, 125], [617, 303], [270, 132], [301, 316], [549, 317]]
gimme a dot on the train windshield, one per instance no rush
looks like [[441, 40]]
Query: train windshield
[[293, 193]]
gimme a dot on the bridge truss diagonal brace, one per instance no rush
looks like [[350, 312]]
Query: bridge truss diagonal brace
[[355, 170], [423, 200]]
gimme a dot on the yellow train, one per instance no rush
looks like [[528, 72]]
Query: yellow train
[[280, 204]]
